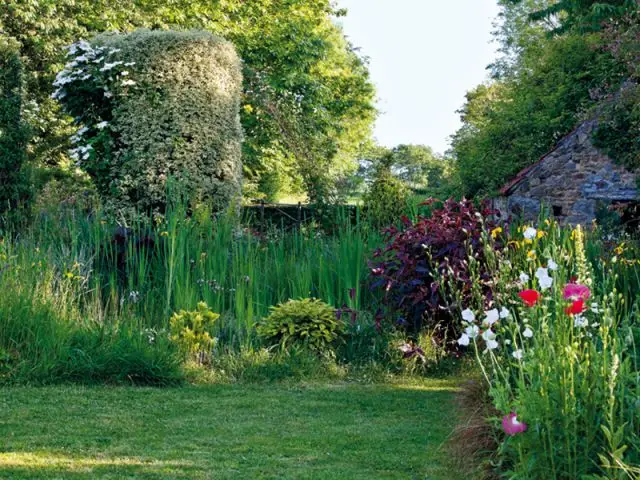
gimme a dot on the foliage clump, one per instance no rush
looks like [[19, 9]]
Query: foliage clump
[[386, 199], [13, 131], [156, 107], [427, 259], [191, 331], [309, 322]]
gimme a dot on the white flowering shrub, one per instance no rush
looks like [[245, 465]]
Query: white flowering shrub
[[153, 107]]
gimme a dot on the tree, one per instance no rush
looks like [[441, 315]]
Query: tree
[[418, 166], [13, 132]]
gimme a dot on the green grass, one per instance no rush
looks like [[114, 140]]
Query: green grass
[[228, 431]]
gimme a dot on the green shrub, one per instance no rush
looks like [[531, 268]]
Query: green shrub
[[40, 344], [386, 199], [308, 322], [156, 107], [191, 331], [13, 132]]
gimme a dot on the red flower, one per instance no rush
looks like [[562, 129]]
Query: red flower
[[529, 297], [576, 308], [574, 291]]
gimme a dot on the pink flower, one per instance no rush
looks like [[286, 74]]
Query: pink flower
[[511, 425], [574, 291]]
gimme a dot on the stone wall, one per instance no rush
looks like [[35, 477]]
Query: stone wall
[[571, 182]]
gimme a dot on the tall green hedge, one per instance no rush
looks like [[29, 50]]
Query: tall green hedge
[[14, 190], [156, 107]]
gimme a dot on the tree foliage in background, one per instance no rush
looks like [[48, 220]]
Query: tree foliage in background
[[550, 72], [618, 131], [308, 100], [14, 190]]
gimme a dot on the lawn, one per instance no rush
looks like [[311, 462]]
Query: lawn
[[227, 431]]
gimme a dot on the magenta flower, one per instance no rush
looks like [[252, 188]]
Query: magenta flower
[[511, 425], [574, 291]]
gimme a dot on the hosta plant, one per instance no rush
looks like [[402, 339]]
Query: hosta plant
[[309, 322]]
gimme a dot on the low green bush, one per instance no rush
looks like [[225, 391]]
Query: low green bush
[[309, 322], [386, 199]]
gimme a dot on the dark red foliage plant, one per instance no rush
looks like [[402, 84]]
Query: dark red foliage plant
[[424, 257]]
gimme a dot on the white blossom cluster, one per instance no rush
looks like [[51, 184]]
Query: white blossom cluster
[[94, 65]]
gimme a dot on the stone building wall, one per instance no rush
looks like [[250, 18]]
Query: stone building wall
[[571, 182]]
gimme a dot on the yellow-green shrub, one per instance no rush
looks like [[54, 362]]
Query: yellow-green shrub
[[191, 331], [309, 322]]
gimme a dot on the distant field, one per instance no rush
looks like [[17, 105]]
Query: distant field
[[271, 431]]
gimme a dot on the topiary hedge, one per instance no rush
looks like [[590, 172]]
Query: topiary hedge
[[156, 107], [14, 191]]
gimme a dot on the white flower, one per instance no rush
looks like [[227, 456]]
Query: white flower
[[530, 233], [128, 83], [492, 344], [472, 331], [552, 265], [492, 317], [595, 308], [102, 125], [464, 340], [507, 341], [488, 335], [595, 324], [580, 322], [468, 316], [124, 73], [528, 333], [517, 354], [524, 278], [545, 282], [108, 94], [504, 312], [129, 64], [541, 272], [109, 66]]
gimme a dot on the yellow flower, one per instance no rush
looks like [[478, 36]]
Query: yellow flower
[[531, 255], [619, 250], [541, 234], [495, 232], [247, 108], [69, 275], [164, 234]]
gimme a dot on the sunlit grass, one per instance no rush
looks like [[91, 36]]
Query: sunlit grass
[[240, 431]]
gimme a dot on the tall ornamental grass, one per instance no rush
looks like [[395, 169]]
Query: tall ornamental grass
[[79, 283]]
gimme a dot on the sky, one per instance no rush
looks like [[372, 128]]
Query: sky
[[424, 56]]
